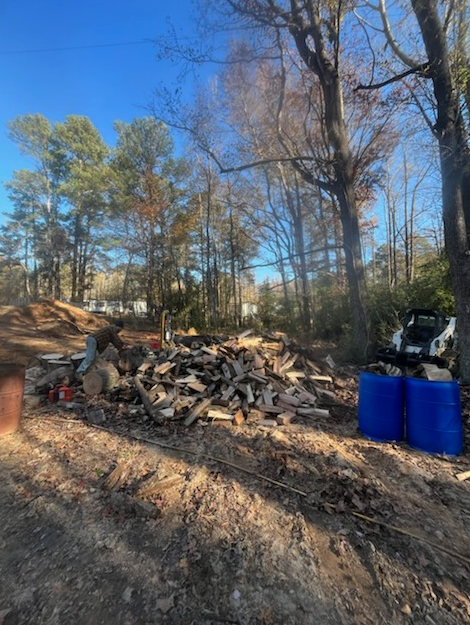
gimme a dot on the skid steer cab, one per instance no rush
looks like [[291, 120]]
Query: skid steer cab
[[424, 337]]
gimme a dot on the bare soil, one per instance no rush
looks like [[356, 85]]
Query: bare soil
[[251, 540]]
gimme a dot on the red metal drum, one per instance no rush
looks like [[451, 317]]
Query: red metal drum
[[12, 379]]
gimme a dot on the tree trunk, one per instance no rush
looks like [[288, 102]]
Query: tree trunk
[[454, 158], [316, 59], [76, 231]]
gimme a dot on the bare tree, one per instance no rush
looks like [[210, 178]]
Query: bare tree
[[437, 62]]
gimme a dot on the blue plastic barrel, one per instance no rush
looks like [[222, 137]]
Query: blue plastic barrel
[[433, 416], [381, 407]]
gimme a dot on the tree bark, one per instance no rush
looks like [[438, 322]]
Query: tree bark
[[455, 168], [316, 59]]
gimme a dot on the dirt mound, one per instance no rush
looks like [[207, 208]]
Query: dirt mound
[[47, 310]]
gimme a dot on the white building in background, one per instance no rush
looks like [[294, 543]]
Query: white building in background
[[249, 310], [137, 308]]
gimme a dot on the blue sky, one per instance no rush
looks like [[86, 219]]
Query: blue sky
[[102, 83]]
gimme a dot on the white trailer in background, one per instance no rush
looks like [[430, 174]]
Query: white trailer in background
[[137, 308]]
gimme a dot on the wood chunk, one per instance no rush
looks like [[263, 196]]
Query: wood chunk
[[258, 362], [151, 410], [431, 371], [208, 351], [240, 378], [197, 411], [184, 402], [307, 398], [130, 359], [166, 413], [53, 365], [238, 418], [217, 401], [174, 353], [164, 368], [272, 409], [163, 400], [116, 478], [268, 422], [155, 485], [238, 369], [313, 412], [187, 380], [228, 393], [213, 413], [313, 366], [285, 418], [286, 358], [320, 378], [290, 400], [285, 406], [226, 371], [463, 476], [45, 358], [295, 375], [261, 379], [267, 397], [145, 366], [253, 416], [248, 392], [325, 395]]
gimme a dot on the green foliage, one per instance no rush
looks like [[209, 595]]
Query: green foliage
[[430, 289], [277, 313], [332, 311], [386, 307], [269, 307], [433, 286]]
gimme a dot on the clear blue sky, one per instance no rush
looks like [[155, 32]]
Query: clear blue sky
[[103, 83]]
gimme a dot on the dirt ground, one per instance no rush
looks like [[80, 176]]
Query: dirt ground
[[250, 541]]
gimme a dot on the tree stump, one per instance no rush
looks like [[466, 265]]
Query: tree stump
[[77, 359], [44, 358], [53, 365], [101, 380]]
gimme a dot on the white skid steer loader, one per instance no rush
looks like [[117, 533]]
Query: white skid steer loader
[[425, 336]]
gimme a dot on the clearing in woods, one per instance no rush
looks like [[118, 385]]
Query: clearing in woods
[[215, 542]]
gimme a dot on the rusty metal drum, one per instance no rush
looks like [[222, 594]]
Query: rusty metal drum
[[12, 378]]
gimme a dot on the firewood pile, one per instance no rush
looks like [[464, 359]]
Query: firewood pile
[[255, 380], [266, 380]]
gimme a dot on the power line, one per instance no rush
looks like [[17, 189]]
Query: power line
[[88, 47]]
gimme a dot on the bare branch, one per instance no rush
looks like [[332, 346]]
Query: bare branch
[[448, 16], [422, 69], [288, 258], [407, 60], [426, 117]]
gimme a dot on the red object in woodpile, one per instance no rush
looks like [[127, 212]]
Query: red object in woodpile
[[53, 394], [65, 393], [154, 344], [12, 378]]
